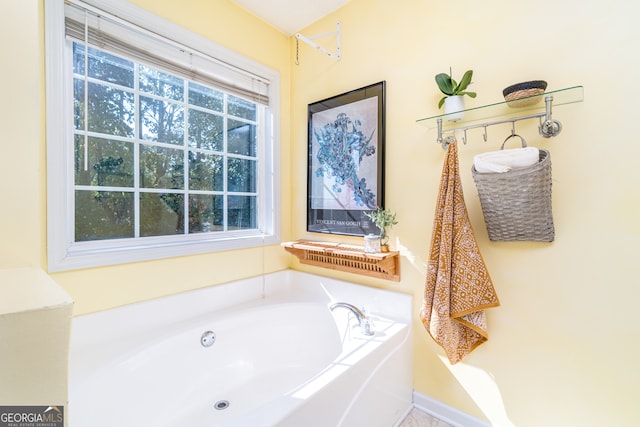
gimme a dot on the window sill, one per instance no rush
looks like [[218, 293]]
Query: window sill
[[75, 258]]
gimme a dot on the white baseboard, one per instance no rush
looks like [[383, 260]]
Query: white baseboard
[[445, 412]]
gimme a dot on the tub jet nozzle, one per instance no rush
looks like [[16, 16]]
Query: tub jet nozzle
[[207, 339]]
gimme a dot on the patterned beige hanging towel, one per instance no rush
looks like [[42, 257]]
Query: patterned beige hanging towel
[[458, 286]]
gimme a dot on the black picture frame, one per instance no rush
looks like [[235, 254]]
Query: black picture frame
[[346, 152]]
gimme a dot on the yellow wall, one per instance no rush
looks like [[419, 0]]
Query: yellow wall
[[22, 146], [563, 345]]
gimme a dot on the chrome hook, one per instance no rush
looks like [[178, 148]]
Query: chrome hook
[[448, 140], [484, 134]]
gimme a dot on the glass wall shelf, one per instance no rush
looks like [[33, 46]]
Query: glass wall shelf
[[503, 110]]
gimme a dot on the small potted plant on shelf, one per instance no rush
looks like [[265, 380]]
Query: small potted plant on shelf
[[383, 218], [454, 91]]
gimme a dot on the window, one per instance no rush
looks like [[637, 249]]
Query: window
[[155, 149]]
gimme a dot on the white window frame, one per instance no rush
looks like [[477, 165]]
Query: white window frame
[[63, 252]]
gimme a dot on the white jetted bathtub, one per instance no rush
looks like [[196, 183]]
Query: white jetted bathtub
[[260, 352]]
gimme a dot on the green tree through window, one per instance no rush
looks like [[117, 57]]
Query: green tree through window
[[158, 155]]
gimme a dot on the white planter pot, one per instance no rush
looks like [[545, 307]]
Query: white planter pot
[[454, 108], [371, 244]]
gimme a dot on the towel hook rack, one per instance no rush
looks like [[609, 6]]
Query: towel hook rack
[[548, 128]]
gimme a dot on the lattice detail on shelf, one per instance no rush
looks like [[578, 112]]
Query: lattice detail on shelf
[[350, 258]]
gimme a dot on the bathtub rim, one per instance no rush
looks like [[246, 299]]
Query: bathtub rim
[[196, 302]]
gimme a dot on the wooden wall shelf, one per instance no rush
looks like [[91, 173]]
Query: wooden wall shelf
[[349, 258]]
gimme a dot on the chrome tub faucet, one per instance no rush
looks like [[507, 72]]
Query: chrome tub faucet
[[363, 320]]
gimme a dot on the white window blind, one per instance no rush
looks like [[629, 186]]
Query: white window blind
[[100, 29]]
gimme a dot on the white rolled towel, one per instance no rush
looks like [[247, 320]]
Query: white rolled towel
[[506, 160]]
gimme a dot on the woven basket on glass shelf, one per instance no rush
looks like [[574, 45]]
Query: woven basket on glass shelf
[[524, 94]]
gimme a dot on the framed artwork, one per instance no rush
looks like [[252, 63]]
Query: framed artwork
[[345, 175]]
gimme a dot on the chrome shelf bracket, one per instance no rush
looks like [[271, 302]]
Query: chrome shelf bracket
[[549, 128]]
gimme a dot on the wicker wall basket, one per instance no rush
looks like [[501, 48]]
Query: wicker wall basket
[[523, 94], [517, 204]]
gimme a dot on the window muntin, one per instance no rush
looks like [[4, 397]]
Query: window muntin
[[158, 155]]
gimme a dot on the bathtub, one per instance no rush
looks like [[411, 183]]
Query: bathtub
[[260, 352]]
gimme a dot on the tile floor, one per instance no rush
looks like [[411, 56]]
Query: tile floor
[[417, 418]]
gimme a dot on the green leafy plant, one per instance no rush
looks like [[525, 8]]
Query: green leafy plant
[[382, 218], [450, 87]]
